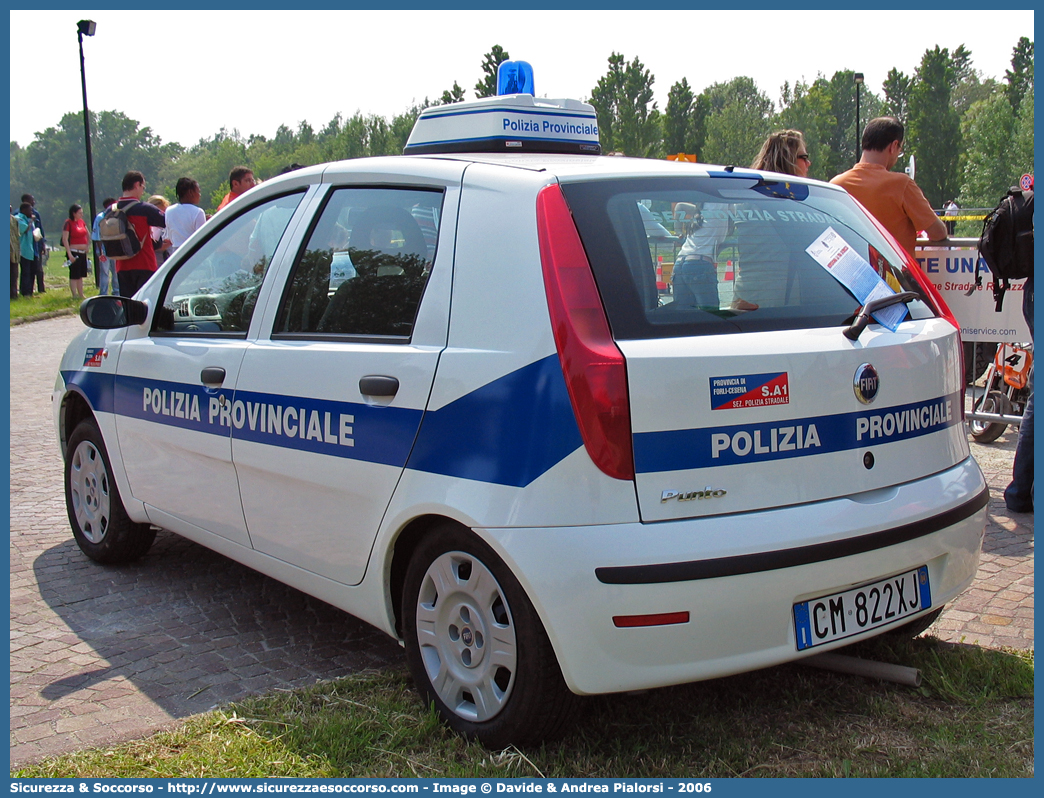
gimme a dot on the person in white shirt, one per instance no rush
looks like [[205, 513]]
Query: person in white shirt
[[695, 272], [186, 217]]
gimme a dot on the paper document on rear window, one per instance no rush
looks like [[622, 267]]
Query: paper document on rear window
[[856, 274]]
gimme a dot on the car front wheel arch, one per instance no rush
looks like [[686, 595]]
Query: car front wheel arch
[[75, 409]]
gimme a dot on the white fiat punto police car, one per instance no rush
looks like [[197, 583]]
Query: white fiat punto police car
[[452, 394]]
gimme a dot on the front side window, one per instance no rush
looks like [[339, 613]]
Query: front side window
[[364, 268], [215, 289], [699, 256]]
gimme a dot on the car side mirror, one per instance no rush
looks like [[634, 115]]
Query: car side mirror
[[113, 312]]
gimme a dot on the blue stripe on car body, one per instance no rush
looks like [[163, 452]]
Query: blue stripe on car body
[[708, 447], [507, 432]]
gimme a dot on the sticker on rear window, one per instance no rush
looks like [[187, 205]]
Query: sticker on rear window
[[749, 390]]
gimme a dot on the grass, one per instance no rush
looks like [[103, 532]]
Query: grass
[[58, 297], [972, 717]]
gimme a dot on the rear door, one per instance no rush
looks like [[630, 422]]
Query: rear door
[[745, 393], [333, 397]]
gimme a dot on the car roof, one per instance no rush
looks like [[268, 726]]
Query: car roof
[[565, 167]]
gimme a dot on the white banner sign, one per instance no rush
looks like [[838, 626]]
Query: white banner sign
[[952, 272]]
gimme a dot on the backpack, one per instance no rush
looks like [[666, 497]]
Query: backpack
[[1006, 243], [118, 237]]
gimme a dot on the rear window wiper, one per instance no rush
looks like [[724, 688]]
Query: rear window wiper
[[863, 318]]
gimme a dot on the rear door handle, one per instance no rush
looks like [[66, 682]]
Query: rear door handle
[[377, 385], [212, 376]]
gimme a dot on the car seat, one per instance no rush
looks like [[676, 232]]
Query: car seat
[[389, 253]]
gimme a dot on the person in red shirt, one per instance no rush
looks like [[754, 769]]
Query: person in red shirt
[[240, 180], [135, 272], [76, 240]]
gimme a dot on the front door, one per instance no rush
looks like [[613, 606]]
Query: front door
[[175, 384]]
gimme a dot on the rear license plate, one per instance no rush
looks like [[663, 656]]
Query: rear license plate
[[876, 604]]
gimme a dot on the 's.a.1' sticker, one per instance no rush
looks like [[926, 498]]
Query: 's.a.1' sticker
[[749, 390]]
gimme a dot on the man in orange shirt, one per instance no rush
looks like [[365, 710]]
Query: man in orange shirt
[[240, 179], [891, 197]]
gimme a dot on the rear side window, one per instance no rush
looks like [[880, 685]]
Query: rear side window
[[704, 256], [365, 265]]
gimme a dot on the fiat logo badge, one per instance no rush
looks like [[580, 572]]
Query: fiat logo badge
[[866, 383]]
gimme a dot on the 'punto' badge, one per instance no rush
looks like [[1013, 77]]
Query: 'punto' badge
[[866, 383]]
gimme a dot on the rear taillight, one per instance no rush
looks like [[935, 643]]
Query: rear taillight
[[932, 296], [935, 300], [594, 368]]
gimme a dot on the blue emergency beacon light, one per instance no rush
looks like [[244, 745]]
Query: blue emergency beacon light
[[515, 77], [514, 121]]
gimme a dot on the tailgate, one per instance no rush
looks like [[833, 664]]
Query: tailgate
[[726, 424], [749, 384]]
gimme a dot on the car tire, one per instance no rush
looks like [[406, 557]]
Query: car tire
[[913, 628], [476, 647], [988, 431], [99, 522], [977, 358]]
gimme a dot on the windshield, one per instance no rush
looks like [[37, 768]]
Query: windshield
[[704, 256]]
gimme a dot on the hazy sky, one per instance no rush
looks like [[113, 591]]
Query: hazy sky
[[193, 72]]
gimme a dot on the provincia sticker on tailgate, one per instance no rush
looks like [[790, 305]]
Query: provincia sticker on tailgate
[[749, 390]]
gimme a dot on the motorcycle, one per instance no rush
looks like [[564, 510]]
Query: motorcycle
[[1006, 391]]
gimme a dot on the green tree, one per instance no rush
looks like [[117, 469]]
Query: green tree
[[209, 162], [682, 126], [808, 108], [400, 128], [351, 140], [897, 95], [933, 133], [844, 137], [53, 167], [21, 178], [454, 95], [988, 129], [966, 84], [739, 118], [1020, 76], [628, 120], [971, 90], [1022, 151], [378, 135], [961, 66], [487, 87], [700, 112]]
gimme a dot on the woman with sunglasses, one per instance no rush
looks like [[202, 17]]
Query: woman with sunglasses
[[762, 273], [785, 152]]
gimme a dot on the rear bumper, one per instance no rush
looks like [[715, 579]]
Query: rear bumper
[[738, 578]]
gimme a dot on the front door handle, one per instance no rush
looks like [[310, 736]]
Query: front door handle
[[377, 385], [212, 376]]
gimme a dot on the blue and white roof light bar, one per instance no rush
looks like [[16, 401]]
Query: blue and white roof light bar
[[513, 121]]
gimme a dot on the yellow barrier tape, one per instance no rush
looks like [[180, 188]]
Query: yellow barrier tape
[[963, 218]]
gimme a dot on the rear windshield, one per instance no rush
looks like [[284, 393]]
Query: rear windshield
[[705, 256]]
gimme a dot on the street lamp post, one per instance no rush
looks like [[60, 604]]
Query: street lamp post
[[86, 27], [859, 141]]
